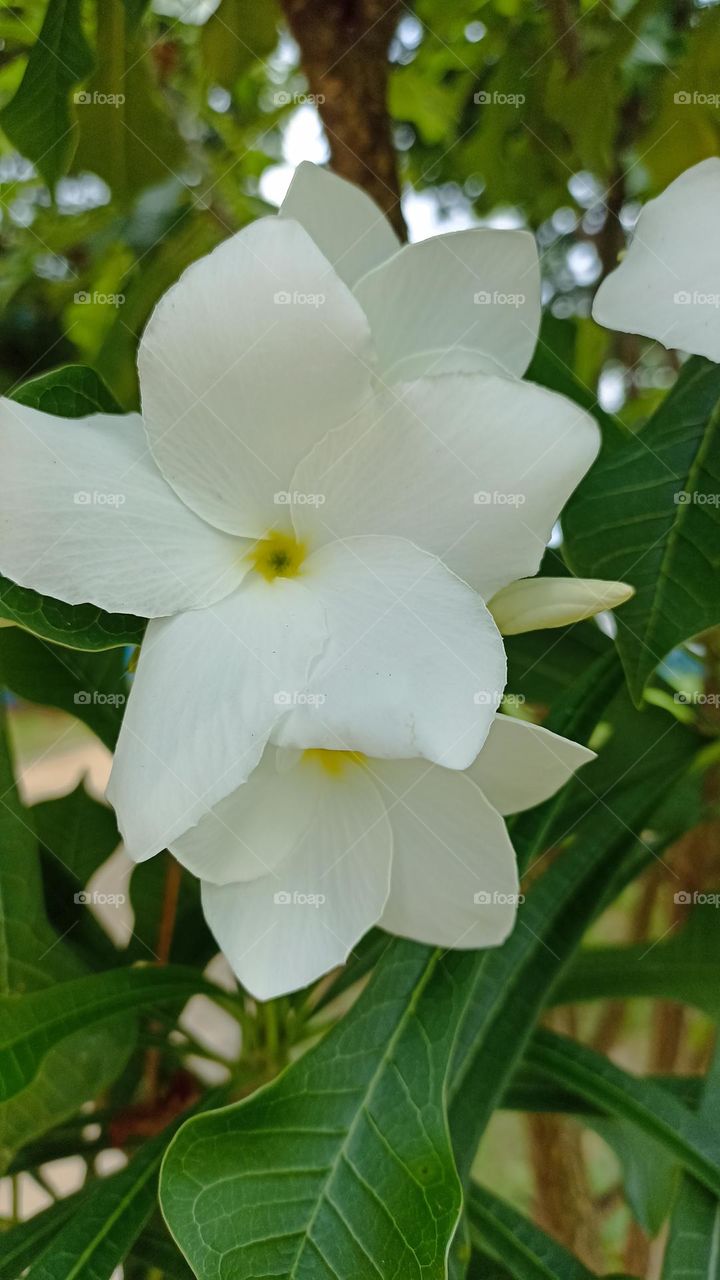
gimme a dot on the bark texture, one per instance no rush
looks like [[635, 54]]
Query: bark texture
[[343, 46]]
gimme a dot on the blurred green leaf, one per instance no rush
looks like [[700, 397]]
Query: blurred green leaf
[[686, 967], [497, 1229], [89, 685], [693, 1247], [38, 120], [688, 1137], [126, 135], [33, 961]]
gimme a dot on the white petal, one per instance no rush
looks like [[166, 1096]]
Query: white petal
[[207, 692], [86, 516], [475, 469], [454, 877], [478, 289], [246, 362], [531, 604], [668, 284], [283, 931], [414, 665], [523, 764], [344, 222], [254, 828]]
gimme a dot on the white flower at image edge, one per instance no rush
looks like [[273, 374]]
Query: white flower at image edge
[[335, 470], [667, 286]]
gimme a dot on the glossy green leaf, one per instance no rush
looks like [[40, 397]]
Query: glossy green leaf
[[342, 1166], [39, 120], [648, 513], [71, 392]]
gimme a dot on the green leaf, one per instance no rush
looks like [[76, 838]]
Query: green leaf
[[515, 982], [126, 135], [496, 1228], [91, 686], [342, 1166], [34, 1024], [685, 968], [23, 1243], [71, 392], [693, 1140], [38, 119], [77, 830], [647, 513], [693, 1247], [34, 959], [649, 1172], [192, 941], [99, 1234]]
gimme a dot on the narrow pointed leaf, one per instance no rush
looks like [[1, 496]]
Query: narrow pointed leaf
[[496, 1228]]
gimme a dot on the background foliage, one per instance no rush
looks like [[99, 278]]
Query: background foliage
[[560, 1089]]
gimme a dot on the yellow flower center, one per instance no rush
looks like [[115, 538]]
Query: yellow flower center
[[333, 762], [278, 555]]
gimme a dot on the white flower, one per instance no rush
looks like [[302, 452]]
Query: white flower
[[336, 467], [668, 284], [319, 846]]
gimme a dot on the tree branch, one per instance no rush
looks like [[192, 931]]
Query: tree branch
[[343, 46]]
